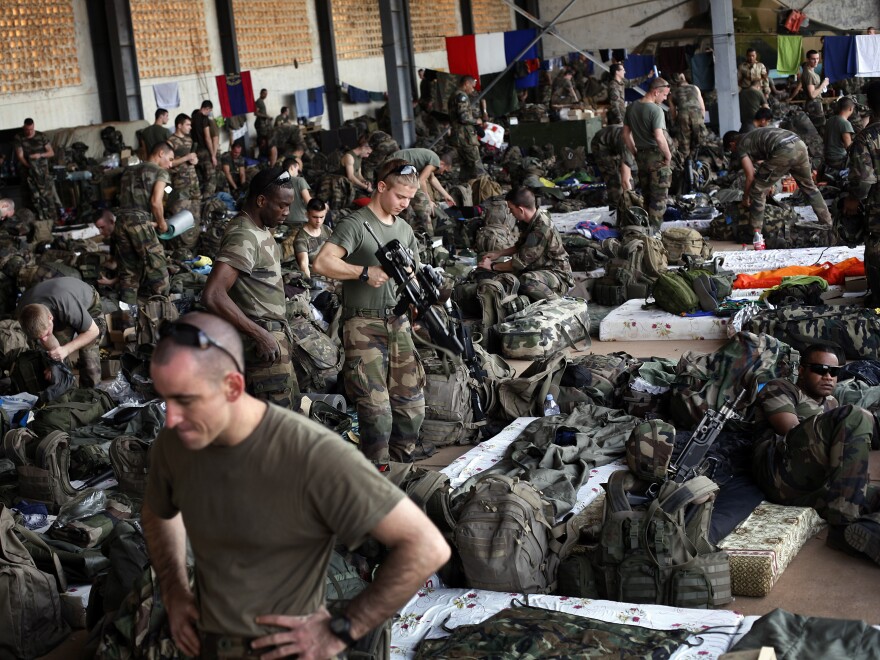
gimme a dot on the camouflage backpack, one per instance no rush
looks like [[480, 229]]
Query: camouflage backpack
[[684, 240], [603, 377], [42, 464], [150, 316], [658, 555], [130, 458], [497, 296], [654, 256], [783, 229], [543, 329], [317, 359], [649, 450], [483, 188], [492, 238], [449, 415], [623, 279]]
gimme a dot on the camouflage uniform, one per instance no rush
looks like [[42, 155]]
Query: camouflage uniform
[[609, 151], [813, 107], [40, 185], [783, 152], [541, 262], [262, 125], [747, 73], [383, 145], [617, 99], [287, 138], [864, 168], [463, 135], [383, 374], [418, 214], [235, 165], [655, 175], [187, 194], [689, 118], [142, 263], [205, 170], [823, 461], [259, 293], [564, 93]]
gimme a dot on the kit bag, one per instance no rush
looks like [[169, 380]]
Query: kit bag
[[449, 417], [624, 278], [673, 293], [684, 240], [130, 459], [79, 407], [524, 395], [316, 358], [498, 297], [661, 554], [543, 329], [150, 316], [43, 466], [491, 238], [649, 450]]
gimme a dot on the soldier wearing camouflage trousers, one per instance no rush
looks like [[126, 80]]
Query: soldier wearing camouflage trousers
[[817, 452], [246, 289], [186, 195], [383, 374], [687, 110], [782, 152], [864, 189], [463, 133], [644, 130], [32, 150], [539, 261], [614, 161]]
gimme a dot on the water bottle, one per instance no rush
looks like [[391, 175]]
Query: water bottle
[[758, 241], [550, 407]]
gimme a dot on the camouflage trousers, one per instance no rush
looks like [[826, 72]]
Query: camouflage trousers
[[418, 214], [41, 192], [816, 112], [655, 177], [789, 158], [822, 463], [464, 140], [190, 199], [385, 379], [142, 263], [274, 382], [692, 127], [609, 168], [337, 191], [541, 284], [207, 173], [615, 114], [88, 362]]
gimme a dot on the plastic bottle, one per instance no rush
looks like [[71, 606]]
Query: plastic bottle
[[758, 241], [550, 407]]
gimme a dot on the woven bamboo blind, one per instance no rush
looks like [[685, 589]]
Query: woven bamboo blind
[[37, 45], [491, 16], [357, 29], [255, 20], [431, 21], [171, 37]]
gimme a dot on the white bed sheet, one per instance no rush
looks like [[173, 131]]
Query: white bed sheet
[[629, 322], [751, 261]]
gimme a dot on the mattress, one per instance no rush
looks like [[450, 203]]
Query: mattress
[[565, 223], [751, 261], [629, 322], [430, 610], [764, 544]]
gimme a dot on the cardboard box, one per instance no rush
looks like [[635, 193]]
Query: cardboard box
[[856, 284], [109, 368], [120, 326]]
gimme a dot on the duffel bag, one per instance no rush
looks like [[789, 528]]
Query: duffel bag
[[544, 328]]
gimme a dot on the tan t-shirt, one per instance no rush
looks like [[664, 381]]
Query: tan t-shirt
[[263, 516]]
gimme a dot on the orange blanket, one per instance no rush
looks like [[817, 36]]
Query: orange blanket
[[832, 273]]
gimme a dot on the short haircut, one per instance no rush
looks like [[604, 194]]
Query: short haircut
[[657, 83], [213, 363], [283, 109], [763, 113], [522, 196], [614, 68], [463, 79], [7, 203], [316, 204], [293, 160], [34, 320], [264, 90], [730, 136], [750, 51], [845, 103], [237, 144], [160, 112], [179, 119], [207, 104], [810, 53], [266, 183], [448, 156], [806, 356], [28, 122], [161, 148], [873, 97], [388, 174]]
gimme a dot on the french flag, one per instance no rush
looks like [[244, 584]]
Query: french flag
[[481, 54]]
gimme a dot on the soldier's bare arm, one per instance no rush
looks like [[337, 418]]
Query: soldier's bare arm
[[157, 207], [330, 263], [628, 140]]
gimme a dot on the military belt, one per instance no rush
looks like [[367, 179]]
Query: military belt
[[271, 326], [363, 312], [227, 647]]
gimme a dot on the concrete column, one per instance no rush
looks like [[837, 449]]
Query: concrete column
[[327, 42], [725, 66]]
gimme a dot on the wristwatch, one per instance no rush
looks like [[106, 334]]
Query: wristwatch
[[340, 626], [365, 274]]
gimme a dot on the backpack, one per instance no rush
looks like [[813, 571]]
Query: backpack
[[503, 537], [12, 342], [30, 607], [483, 188], [130, 459], [623, 279], [79, 407], [449, 415], [543, 329], [649, 450], [462, 194], [28, 375], [673, 293], [491, 238], [495, 295], [661, 554], [602, 377], [317, 359], [524, 395], [684, 240], [654, 258], [150, 316], [42, 465]]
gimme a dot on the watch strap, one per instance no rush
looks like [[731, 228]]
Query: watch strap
[[340, 626]]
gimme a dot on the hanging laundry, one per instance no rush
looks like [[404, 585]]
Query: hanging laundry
[[671, 59], [791, 55], [167, 95], [868, 55], [316, 101], [836, 53], [357, 95], [637, 66], [236, 94], [703, 71], [514, 43], [301, 100]]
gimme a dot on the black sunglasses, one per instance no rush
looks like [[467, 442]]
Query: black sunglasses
[[823, 369], [281, 179], [185, 334]]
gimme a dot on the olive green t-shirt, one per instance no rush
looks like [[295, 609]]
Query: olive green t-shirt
[[835, 127], [750, 101], [153, 135], [360, 248], [419, 157], [263, 516], [305, 242], [643, 119], [297, 213]]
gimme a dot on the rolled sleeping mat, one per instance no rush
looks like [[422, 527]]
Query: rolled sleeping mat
[[178, 223], [335, 400]]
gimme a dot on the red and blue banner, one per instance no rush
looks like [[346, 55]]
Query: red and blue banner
[[236, 94]]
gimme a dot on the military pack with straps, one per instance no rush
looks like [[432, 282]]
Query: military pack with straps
[[684, 240], [543, 329], [43, 466], [524, 395], [661, 554], [449, 415], [655, 259], [130, 459], [624, 278], [12, 342], [602, 377], [78, 407], [498, 298], [317, 359], [28, 374], [151, 314], [491, 238]]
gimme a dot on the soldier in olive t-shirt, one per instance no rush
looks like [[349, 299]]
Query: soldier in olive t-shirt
[[838, 134], [643, 119]]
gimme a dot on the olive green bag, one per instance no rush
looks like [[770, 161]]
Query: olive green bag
[[673, 293]]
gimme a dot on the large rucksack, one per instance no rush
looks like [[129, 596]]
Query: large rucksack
[[498, 298], [673, 293], [684, 240], [654, 256], [79, 407], [449, 414], [661, 554], [543, 329], [492, 238], [130, 459], [317, 359], [12, 342], [43, 466], [484, 187], [150, 316], [623, 279], [30, 607]]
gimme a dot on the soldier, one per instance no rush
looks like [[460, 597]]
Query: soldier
[[351, 166], [155, 132], [614, 160], [751, 99], [140, 258], [234, 170], [752, 72], [463, 134], [420, 212], [382, 146], [617, 86], [263, 121], [284, 118], [813, 90], [815, 452], [862, 188], [17, 224], [539, 261], [782, 152], [644, 131], [246, 289], [187, 194], [207, 143], [564, 93], [382, 373], [301, 192], [687, 109], [763, 117], [32, 150], [839, 134], [311, 236], [64, 315]]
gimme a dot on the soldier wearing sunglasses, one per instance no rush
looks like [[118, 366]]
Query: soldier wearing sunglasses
[[816, 451]]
